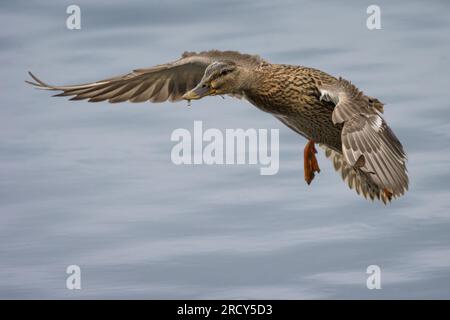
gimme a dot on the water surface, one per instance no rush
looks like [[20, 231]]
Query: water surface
[[93, 184]]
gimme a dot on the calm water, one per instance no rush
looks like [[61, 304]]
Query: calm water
[[93, 184]]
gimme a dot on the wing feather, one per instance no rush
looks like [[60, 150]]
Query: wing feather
[[386, 160], [159, 83], [348, 100], [365, 133]]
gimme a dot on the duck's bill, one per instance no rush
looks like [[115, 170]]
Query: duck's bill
[[198, 93]]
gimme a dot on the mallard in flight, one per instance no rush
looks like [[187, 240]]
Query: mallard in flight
[[326, 110]]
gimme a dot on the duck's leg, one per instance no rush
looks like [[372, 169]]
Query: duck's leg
[[310, 161]]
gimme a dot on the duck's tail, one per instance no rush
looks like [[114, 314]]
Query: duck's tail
[[357, 179]]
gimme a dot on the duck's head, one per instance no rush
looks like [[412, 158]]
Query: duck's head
[[222, 77]]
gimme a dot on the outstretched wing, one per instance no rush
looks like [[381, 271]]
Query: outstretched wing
[[156, 84], [368, 144]]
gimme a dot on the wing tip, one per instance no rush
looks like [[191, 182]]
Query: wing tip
[[38, 84], [34, 78]]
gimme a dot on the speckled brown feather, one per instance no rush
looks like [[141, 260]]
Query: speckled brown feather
[[291, 93]]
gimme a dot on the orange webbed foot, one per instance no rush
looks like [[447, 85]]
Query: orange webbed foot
[[310, 162]]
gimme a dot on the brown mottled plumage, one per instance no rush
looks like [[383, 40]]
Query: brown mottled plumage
[[318, 106]]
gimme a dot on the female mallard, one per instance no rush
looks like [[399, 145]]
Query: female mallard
[[323, 109]]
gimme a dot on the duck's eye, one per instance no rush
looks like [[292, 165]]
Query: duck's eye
[[225, 72]]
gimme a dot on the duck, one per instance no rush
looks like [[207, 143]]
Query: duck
[[327, 111]]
